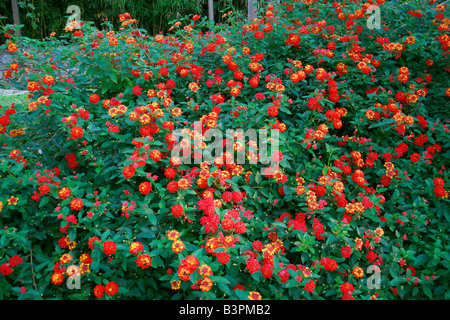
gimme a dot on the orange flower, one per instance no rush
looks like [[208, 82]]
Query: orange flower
[[227, 59], [85, 258], [155, 155], [64, 193], [66, 258], [144, 261], [193, 87], [12, 47], [178, 246], [113, 41], [184, 183], [358, 272], [76, 204], [253, 295], [175, 284], [176, 112], [48, 80], [205, 284], [7, 74], [14, 67], [135, 248], [13, 201], [33, 86], [57, 278], [235, 91], [184, 272], [173, 235], [205, 270], [192, 262]]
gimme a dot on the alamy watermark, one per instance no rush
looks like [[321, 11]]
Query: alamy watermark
[[215, 146], [374, 21], [74, 279], [374, 281], [75, 15]]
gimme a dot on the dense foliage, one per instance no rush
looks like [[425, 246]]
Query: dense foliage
[[91, 191], [42, 17]]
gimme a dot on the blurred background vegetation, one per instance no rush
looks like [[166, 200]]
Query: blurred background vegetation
[[42, 17]]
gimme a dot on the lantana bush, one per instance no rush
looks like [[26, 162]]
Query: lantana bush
[[109, 188]]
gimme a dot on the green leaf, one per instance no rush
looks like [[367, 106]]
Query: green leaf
[[292, 283], [44, 201], [219, 279], [420, 259], [153, 219], [427, 292], [242, 294]]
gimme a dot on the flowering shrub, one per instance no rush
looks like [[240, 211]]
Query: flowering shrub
[[357, 207]]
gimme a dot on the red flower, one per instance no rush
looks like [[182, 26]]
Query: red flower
[[94, 98], [259, 35], [223, 257], [170, 173], [412, 270], [254, 81], [347, 288], [92, 242], [99, 291], [76, 133], [76, 204], [111, 288], [346, 251], [4, 121], [145, 188], [371, 256], [272, 111], [63, 242], [320, 191], [237, 196], [257, 245], [329, 264], [385, 181], [415, 157], [135, 248], [128, 171], [137, 90], [109, 247], [177, 210], [239, 227], [5, 269], [163, 71], [227, 196], [309, 286], [144, 261], [284, 274], [172, 186], [267, 270], [238, 287], [421, 140], [253, 265], [57, 278]]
